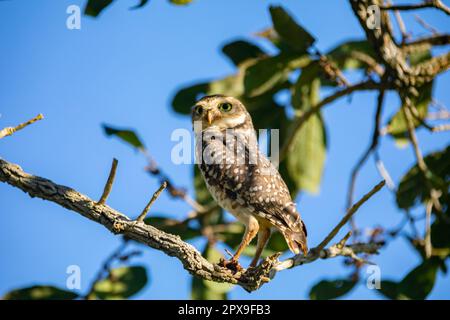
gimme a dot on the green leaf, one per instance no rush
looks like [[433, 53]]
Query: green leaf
[[128, 136], [397, 125], [389, 289], [306, 160], [140, 4], [269, 72], [40, 293], [229, 86], [121, 283], [180, 2], [240, 51], [416, 285], [173, 226], [95, 7], [331, 289], [440, 235], [290, 31], [209, 290], [420, 281], [413, 187], [345, 55], [185, 98]]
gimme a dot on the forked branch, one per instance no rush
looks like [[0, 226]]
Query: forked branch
[[172, 245]]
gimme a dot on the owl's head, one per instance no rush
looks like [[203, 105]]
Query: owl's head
[[221, 112]]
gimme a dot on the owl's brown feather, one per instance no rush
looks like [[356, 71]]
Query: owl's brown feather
[[241, 179]]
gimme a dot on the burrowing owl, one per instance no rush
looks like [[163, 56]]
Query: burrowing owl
[[240, 178]]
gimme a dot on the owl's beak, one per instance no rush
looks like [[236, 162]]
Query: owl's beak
[[209, 116]]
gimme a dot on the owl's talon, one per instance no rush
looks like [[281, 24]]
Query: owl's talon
[[231, 264]]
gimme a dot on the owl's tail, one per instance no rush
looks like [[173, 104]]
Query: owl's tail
[[296, 240]]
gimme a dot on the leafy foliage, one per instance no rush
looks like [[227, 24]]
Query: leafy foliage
[[331, 289], [121, 283], [295, 70], [397, 126], [128, 136], [93, 8], [309, 145], [240, 51], [40, 293], [416, 285], [413, 186], [294, 35]]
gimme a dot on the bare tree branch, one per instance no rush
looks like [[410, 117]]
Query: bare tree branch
[[370, 149], [172, 245], [393, 56], [109, 182], [349, 214], [437, 4], [10, 130], [152, 200]]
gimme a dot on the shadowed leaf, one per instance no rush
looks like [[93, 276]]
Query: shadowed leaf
[[416, 285], [40, 293], [121, 283], [290, 31], [331, 289], [95, 7], [389, 289], [128, 136], [140, 4], [344, 54], [397, 125], [269, 72], [240, 51], [185, 98], [413, 187]]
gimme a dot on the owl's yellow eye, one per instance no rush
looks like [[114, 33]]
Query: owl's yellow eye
[[198, 110], [225, 107]]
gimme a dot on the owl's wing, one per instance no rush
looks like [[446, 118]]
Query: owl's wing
[[261, 188]]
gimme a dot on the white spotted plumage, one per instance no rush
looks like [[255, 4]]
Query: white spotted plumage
[[252, 190]]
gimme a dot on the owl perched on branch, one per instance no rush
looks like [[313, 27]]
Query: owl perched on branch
[[240, 178]]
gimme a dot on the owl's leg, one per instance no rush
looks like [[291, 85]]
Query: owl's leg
[[263, 237], [251, 230]]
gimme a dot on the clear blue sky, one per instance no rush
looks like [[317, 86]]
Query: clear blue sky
[[122, 69]]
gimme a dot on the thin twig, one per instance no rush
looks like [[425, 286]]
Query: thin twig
[[427, 238], [401, 24], [348, 215], [174, 191], [383, 171], [423, 168], [152, 200], [10, 130], [109, 183], [372, 146], [105, 269], [426, 25], [425, 4]]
